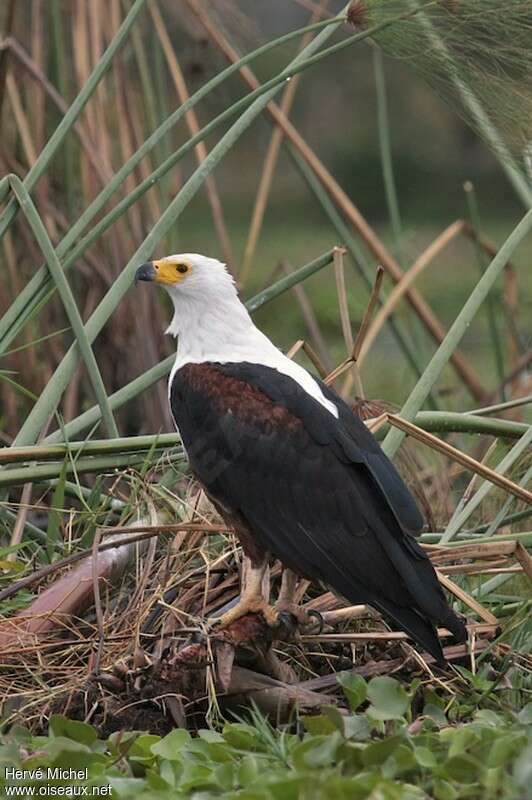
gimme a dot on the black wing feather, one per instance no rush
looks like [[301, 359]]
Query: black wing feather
[[321, 495]]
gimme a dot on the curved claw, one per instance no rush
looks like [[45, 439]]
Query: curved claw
[[319, 618]]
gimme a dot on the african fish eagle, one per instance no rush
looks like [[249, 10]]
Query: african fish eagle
[[288, 464]]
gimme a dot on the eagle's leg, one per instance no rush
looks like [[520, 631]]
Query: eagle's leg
[[286, 598], [252, 599]]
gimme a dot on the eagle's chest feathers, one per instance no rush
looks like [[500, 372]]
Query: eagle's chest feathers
[[207, 393]]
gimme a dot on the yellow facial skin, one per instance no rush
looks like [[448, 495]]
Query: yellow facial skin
[[170, 272]]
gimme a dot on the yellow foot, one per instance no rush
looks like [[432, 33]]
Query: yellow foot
[[249, 605]]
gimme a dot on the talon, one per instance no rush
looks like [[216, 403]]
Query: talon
[[300, 618], [319, 619]]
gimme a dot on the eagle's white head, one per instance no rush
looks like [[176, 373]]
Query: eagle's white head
[[190, 275]]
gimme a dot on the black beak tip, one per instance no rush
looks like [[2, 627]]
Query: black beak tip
[[146, 272]]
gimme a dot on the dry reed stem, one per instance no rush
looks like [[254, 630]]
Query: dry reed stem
[[362, 331], [311, 321], [345, 204], [467, 599], [391, 636], [524, 558], [143, 532], [368, 314], [270, 162], [18, 527], [340, 614], [439, 554], [341, 292], [422, 262], [313, 357], [491, 567], [467, 461], [21, 120]]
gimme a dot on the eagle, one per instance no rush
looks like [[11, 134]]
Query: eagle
[[288, 464]]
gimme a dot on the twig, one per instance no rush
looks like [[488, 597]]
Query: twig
[[97, 602], [301, 344], [385, 636]]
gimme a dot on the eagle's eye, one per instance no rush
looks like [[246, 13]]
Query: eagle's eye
[[182, 268]]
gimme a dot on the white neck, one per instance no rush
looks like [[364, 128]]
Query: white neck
[[223, 332], [220, 331]]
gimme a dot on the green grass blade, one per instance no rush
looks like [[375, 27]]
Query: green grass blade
[[386, 152], [69, 302], [491, 310], [39, 473], [53, 531]]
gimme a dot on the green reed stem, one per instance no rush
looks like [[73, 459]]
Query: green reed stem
[[43, 240]]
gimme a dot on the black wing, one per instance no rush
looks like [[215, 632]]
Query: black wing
[[317, 492]]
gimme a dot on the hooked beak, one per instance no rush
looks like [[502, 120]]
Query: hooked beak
[[146, 272]]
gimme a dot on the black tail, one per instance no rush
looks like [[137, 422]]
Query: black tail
[[420, 629], [455, 625]]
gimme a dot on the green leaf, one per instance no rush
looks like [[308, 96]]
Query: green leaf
[[72, 729], [357, 727], [504, 748], [243, 737], [443, 790], [425, 757], [172, 746], [388, 698], [379, 752], [316, 751], [126, 787], [248, 770], [462, 768], [436, 714], [523, 771], [321, 724], [355, 689]]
